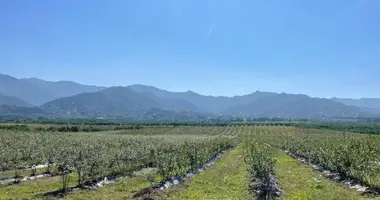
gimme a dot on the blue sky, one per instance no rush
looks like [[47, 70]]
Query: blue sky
[[321, 48]]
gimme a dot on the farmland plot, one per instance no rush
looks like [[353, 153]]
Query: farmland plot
[[232, 162]]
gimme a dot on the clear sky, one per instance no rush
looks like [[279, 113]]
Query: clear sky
[[322, 48]]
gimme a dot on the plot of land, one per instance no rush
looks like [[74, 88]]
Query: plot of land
[[164, 153]]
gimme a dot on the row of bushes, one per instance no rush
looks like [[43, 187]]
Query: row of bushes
[[67, 128]]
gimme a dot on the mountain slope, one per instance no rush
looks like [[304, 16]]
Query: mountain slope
[[160, 115], [115, 101], [170, 104], [203, 103], [289, 105], [10, 86], [363, 102], [37, 92], [8, 110], [65, 98], [61, 89], [137, 100], [13, 101]]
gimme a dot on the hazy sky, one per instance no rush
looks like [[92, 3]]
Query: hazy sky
[[321, 48]]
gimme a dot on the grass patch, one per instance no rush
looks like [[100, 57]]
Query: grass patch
[[228, 179], [300, 181], [123, 189], [33, 189]]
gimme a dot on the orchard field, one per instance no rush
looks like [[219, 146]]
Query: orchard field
[[188, 162]]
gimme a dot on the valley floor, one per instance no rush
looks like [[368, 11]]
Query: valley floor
[[227, 179]]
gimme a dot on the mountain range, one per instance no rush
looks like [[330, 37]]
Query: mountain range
[[70, 99], [362, 102], [37, 92]]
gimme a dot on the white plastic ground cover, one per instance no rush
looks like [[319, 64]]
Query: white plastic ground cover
[[5, 181], [40, 166], [111, 180], [101, 183], [333, 175], [26, 178], [175, 180]]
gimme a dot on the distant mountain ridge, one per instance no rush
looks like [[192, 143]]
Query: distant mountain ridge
[[362, 102], [10, 86], [61, 89], [114, 101], [289, 105], [70, 99], [37, 92], [210, 104], [136, 100]]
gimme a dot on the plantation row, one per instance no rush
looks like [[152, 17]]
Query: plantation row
[[261, 167], [353, 157], [95, 156], [66, 128]]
